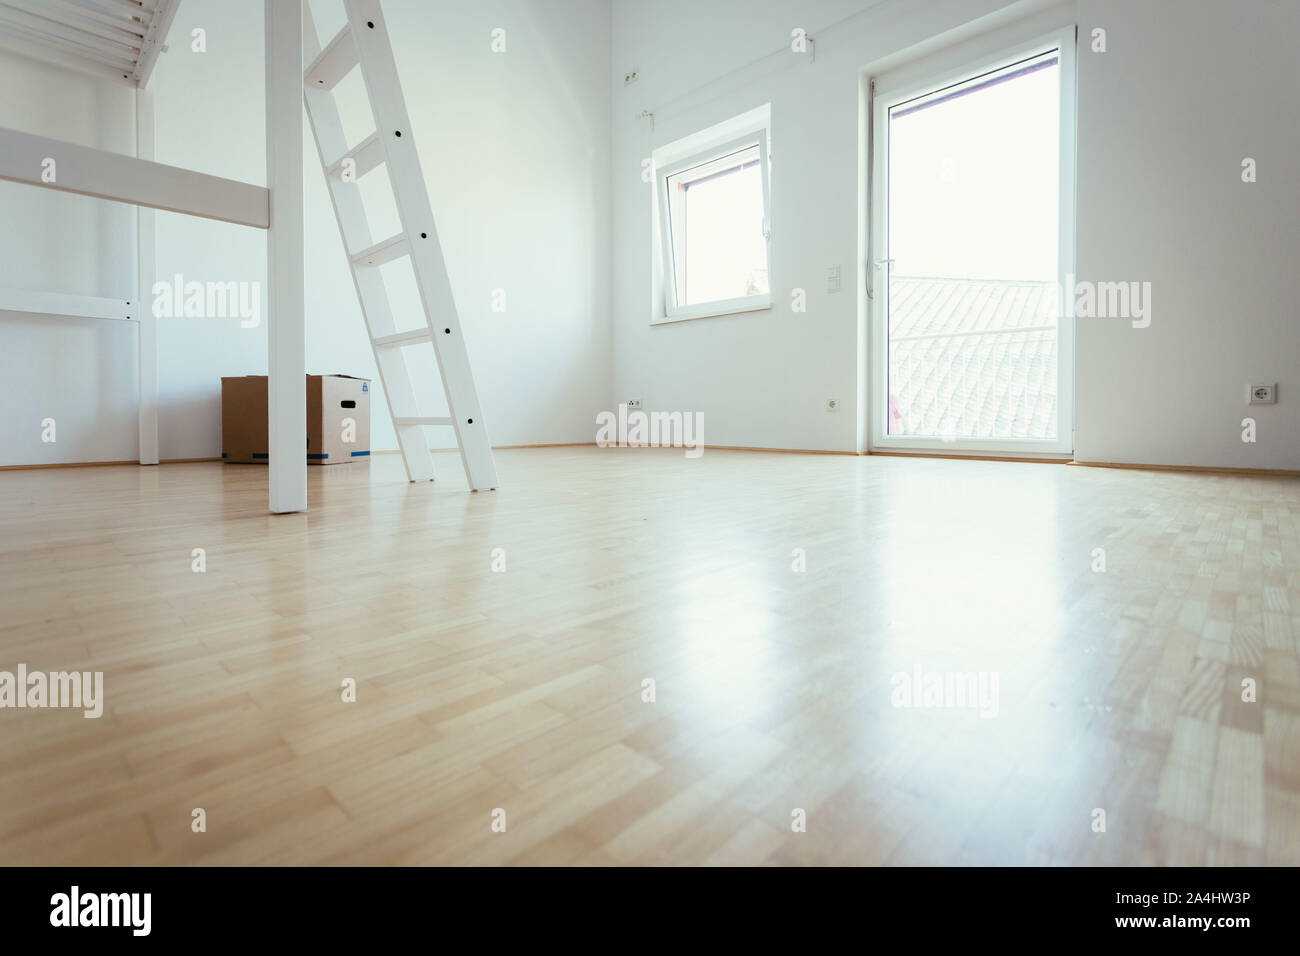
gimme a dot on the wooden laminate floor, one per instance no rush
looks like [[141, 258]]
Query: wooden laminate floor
[[522, 690]]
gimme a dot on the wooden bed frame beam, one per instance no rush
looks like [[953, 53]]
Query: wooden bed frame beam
[[154, 39], [97, 172], [24, 158], [146, 270], [286, 340]]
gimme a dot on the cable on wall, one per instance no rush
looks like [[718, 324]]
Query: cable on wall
[[784, 50]]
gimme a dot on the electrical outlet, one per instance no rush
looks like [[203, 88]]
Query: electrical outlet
[[833, 279], [629, 78], [1261, 394], [832, 404], [634, 403]]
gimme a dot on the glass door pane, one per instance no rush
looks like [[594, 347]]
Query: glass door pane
[[972, 232]]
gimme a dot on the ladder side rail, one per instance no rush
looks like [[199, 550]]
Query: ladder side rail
[[383, 87], [349, 212]]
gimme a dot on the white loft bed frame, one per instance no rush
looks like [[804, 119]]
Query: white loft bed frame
[[120, 40]]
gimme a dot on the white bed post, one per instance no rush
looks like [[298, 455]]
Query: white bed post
[[287, 397], [142, 305]]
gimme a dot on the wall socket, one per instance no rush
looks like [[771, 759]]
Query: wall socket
[[1261, 394], [833, 279], [832, 404], [634, 403], [629, 78]]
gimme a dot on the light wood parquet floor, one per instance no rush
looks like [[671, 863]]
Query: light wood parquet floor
[[522, 690]]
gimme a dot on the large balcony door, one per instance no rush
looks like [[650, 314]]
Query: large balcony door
[[972, 240]]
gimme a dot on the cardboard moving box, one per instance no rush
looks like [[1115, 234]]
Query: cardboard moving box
[[338, 419]]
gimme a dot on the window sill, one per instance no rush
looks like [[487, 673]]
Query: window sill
[[710, 310]]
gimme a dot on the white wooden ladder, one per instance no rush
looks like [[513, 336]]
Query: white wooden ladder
[[363, 43]]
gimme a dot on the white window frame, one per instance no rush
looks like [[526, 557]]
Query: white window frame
[[910, 82], [670, 161]]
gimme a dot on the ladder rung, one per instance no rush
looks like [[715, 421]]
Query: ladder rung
[[391, 248], [367, 154], [420, 420], [403, 338], [334, 62]]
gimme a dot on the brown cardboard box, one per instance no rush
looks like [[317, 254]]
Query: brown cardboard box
[[338, 408], [243, 419]]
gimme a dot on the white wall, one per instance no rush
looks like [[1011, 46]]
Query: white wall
[[761, 379], [1183, 93], [1186, 90], [515, 148], [209, 116], [80, 372], [516, 153]]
